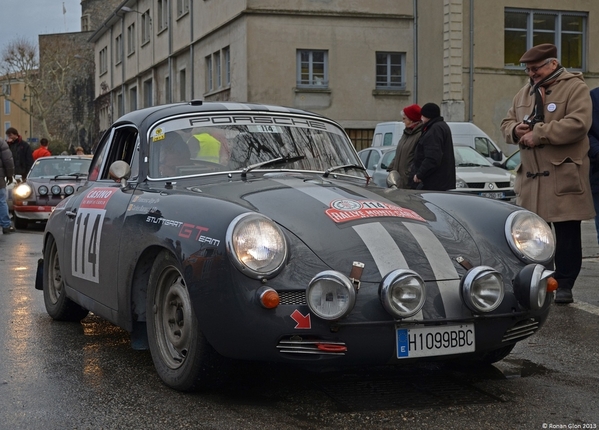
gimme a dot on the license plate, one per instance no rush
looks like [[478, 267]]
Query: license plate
[[432, 341], [496, 195]]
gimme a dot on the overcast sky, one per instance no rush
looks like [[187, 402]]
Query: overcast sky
[[30, 18]]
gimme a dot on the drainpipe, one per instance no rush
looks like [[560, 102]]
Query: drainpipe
[[471, 77], [415, 38]]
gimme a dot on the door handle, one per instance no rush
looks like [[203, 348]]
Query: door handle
[[72, 214]]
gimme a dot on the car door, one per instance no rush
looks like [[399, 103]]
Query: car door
[[94, 222]]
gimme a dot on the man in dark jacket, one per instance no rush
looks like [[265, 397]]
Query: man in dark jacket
[[594, 155], [6, 177], [21, 152], [434, 162]]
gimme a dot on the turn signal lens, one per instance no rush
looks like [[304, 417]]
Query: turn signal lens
[[551, 284], [270, 298]]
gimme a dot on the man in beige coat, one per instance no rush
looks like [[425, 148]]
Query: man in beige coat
[[549, 119]]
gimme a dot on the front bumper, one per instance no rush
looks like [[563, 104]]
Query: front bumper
[[33, 212]]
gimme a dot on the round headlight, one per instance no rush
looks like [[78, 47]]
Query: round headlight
[[69, 189], [530, 237], [43, 190], [482, 289], [55, 190], [460, 183], [256, 245], [530, 286], [402, 293], [331, 295], [22, 191]]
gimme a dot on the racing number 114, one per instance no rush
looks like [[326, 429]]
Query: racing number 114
[[86, 243]]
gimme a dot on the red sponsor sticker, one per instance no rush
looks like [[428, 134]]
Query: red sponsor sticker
[[97, 198], [345, 210]]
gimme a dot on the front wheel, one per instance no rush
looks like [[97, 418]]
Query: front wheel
[[58, 305], [181, 355]]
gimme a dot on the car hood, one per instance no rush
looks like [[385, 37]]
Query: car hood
[[483, 174], [342, 223]]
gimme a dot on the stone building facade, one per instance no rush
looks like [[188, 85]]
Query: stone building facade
[[359, 62]]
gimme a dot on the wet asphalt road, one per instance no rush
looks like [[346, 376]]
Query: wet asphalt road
[[85, 376]]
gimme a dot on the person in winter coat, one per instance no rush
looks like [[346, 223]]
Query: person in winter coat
[[7, 172], [434, 161], [549, 119], [594, 155], [21, 152], [404, 154]]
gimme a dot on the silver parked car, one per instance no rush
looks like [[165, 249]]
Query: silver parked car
[[474, 173]]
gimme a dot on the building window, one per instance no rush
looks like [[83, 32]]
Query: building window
[[85, 23], [525, 28], [133, 99], [103, 60], [162, 15], [145, 27], [119, 105], [148, 101], [182, 7], [227, 63], [6, 107], [7, 125], [131, 39], [182, 85], [167, 89], [390, 68], [209, 81], [118, 49], [6, 89], [218, 71], [312, 69]]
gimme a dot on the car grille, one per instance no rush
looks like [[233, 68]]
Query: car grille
[[297, 297], [310, 346], [521, 330], [482, 184]]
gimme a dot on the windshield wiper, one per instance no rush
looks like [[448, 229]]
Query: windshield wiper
[[278, 160], [75, 174], [344, 166], [470, 165]]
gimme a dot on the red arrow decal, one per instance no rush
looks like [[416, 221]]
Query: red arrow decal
[[301, 320]]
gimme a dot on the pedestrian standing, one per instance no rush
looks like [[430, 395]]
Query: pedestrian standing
[[43, 150], [434, 161], [404, 154], [7, 171], [594, 155], [549, 119], [21, 152]]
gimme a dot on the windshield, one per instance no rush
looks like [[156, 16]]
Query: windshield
[[465, 156], [47, 167], [192, 146]]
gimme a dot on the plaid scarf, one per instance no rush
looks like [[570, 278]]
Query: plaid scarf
[[539, 91]]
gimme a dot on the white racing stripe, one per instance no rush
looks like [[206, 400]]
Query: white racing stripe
[[385, 252], [443, 268]]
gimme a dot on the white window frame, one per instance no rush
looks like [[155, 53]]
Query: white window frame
[[385, 70], [306, 65]]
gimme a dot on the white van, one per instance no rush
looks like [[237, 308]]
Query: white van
[[463, 133]]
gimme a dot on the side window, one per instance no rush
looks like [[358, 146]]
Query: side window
[[373, 160], [481, 145], [388, 139], [386, 161], [120, 144], [364, 156], [378, 139]]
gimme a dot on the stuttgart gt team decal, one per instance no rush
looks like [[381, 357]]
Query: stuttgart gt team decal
[[344, 210]]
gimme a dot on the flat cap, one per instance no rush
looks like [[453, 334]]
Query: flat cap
[[539, 53]]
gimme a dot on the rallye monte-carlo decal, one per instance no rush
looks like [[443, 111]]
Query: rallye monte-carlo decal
[[344, 210], [87, 233]]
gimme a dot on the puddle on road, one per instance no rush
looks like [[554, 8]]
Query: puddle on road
[[520, 368]]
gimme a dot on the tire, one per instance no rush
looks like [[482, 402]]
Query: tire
[[182, 357], [20, 223], [58, 305]]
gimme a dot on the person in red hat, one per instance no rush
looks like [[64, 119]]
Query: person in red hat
[[549, 120], [404, 154]]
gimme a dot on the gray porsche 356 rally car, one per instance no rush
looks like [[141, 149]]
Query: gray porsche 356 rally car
[[252, 232]]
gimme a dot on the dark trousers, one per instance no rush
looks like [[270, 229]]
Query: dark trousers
[[568, 253]]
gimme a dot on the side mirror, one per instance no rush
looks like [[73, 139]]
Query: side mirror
[[120, 171], [393, 179]]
